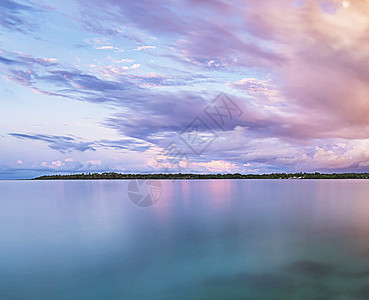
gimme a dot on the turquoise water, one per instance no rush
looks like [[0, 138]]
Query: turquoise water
[[214, 239]]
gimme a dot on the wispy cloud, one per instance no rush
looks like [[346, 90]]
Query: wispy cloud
[[65, 144], [60, 143], [18, 15], [140, 48]]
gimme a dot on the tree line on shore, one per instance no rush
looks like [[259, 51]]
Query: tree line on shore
[[113, 175]]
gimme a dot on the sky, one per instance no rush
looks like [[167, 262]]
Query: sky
[[192, 86]]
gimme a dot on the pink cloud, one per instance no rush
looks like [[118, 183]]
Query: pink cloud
[[216, 166], [96, 162], [57, 163]]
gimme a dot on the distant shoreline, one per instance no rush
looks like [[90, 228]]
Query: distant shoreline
[[115, 176]]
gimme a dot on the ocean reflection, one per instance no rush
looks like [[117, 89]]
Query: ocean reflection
[[203, 239]]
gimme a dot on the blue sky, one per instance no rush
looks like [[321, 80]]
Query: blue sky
[[94, 86]]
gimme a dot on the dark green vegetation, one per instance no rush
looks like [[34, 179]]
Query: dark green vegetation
[[112, 175]]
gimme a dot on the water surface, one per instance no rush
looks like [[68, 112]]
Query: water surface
[[209, 239]]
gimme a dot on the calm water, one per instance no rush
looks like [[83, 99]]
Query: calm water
[[215, 239]]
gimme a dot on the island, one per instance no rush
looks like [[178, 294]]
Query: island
[[114, 175]]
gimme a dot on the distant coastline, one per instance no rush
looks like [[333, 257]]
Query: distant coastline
[[113, 175]]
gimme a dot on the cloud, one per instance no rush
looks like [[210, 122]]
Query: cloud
[[94, 162], [204, 33], [60, 143], [157, 114], [261, 90], [114, 73], [216, 166], [326, 54], [116, 49], [342, 154], [105, 48], [7, 61], [299, 71], [126, 144], [18, 15], [150, 116], [57, 163], [26, 60], [66, 144], [145, 48], [120, 61], [102, 84], [69, 165], [135, 66], [316, 58]]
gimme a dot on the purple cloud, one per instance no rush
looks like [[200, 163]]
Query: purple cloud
[[14, 15], [60, 143]]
